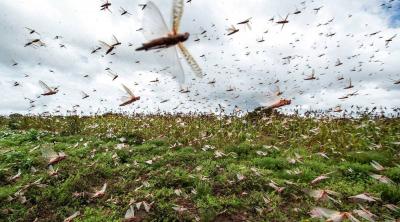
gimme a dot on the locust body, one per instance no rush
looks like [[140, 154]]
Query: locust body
[[164, 42]]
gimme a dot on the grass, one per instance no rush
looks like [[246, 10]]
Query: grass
[[196, 163]]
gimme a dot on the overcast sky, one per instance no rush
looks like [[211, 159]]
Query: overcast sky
[[246, 70]]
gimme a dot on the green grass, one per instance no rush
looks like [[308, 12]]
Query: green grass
[[114, 149]]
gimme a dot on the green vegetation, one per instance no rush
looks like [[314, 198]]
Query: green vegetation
[[195, 167]]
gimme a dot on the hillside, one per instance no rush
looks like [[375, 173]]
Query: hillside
[[201, 168]]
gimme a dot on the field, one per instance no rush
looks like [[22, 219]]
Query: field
[[205, 168]]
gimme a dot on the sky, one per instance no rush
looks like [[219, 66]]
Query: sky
[[248, 67]]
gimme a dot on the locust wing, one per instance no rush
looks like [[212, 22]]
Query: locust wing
[[127, 90], [103, 189], [266, 98], [83, 94], [115, 39], [191, 61], [48, 153], [177, 12], [130, 213], [112, 75], [320, 212], [105, 45], [231, 29], [45, 87], [153, 23], [176, 69], [124, 99]]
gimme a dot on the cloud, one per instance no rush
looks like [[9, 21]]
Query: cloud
[[342, 30]]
